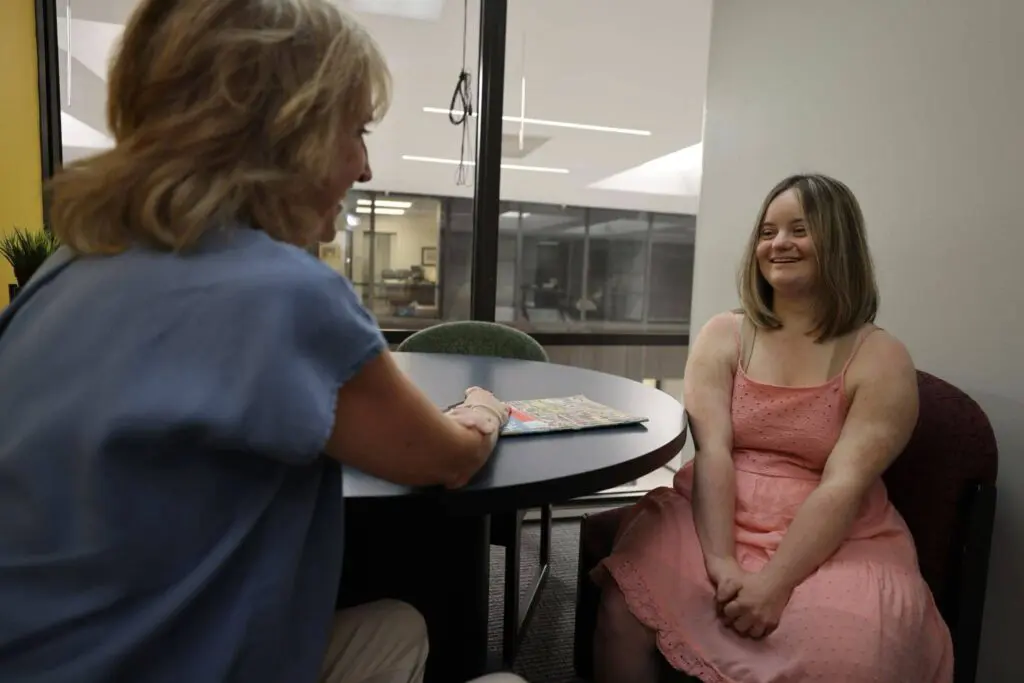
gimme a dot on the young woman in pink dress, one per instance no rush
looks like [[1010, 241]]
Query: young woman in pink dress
[[777, 557]]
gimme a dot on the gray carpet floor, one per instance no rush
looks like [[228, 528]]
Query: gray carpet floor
[[545, 655]]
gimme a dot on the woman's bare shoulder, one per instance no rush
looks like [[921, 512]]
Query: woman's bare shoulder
[[884, 346], [718, 337], [724, 324], [881, 354]]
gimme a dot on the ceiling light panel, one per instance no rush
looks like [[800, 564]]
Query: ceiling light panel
[[381, 211], [385, 203], [424, 10], [550, 123], [507, 167]]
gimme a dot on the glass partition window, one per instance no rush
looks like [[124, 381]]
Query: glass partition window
[[672, 250], [593, 270], [87, 35], [615, 130], [388, 245], [561, 266], [541, 250], [617, 265]]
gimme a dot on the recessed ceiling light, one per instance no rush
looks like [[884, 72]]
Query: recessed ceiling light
[[515, 214], [385, 203], [380, 210], [508, 167], [546, 122]]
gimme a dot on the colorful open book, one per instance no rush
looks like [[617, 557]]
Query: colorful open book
[[571, 413]]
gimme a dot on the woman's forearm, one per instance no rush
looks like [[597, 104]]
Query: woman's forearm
[[820, 526], [715, 504], [479, 429]]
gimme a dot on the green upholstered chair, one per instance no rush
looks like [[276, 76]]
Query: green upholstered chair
[[474, 338]]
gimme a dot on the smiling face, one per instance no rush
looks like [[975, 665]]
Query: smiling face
[[352, 166], [809, 242], [786, 254]]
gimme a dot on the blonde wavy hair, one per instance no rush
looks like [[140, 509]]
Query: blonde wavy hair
[[847, 291], [222, 110]]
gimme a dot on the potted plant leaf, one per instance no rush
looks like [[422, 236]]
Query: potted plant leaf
[[26, 250]]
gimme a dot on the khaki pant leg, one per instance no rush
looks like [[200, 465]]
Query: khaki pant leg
[[379, 642]]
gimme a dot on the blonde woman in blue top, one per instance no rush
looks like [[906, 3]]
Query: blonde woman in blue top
[[182, 383]]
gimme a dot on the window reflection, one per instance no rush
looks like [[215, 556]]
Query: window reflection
[[618, 265], [671, 269], [593, 270], [540, 266], [388, 245], [559, 268]]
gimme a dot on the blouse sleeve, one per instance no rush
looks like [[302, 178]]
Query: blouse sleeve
[[295, 342]]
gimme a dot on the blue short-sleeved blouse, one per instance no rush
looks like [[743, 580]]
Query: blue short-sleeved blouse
[[165, 510]]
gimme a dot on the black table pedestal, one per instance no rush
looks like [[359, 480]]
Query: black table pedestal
[[415, 550]]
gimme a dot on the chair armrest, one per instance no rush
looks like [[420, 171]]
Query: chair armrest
[[980, 517], [597, 536]]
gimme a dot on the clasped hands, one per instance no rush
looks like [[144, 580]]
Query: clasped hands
[[481, 411], [749, 603]]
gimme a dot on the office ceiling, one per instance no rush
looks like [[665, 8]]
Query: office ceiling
[[637, 66]]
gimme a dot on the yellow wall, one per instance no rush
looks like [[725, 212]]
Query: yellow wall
[[21, 192]]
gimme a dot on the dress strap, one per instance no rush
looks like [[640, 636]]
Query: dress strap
[[744, 347], [738, 318], [861, 336]]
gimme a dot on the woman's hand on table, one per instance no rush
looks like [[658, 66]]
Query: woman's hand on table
[[482, 411], [485, 423]]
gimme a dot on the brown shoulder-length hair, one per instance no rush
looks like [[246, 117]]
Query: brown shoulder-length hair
[[222, 110], [847, 292]]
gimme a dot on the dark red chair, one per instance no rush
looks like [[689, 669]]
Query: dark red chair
[[944, 485]]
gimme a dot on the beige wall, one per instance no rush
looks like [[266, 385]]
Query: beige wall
[[918, 105], [410, 234]]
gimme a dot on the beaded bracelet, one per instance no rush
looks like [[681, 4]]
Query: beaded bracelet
[[502, 420], [492, 411]]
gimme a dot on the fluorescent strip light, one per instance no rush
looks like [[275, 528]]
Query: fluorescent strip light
[[514, 214], [406, 9], [386, 203], [508, 167], [380, 211], [546, 122]]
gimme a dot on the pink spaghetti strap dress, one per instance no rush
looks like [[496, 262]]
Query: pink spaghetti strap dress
[[866, 615]]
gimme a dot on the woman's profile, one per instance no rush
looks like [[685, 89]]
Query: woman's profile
[[184, 384], [777, 555]]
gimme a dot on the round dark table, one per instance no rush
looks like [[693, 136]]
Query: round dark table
[[537, 469], [431, 547]]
